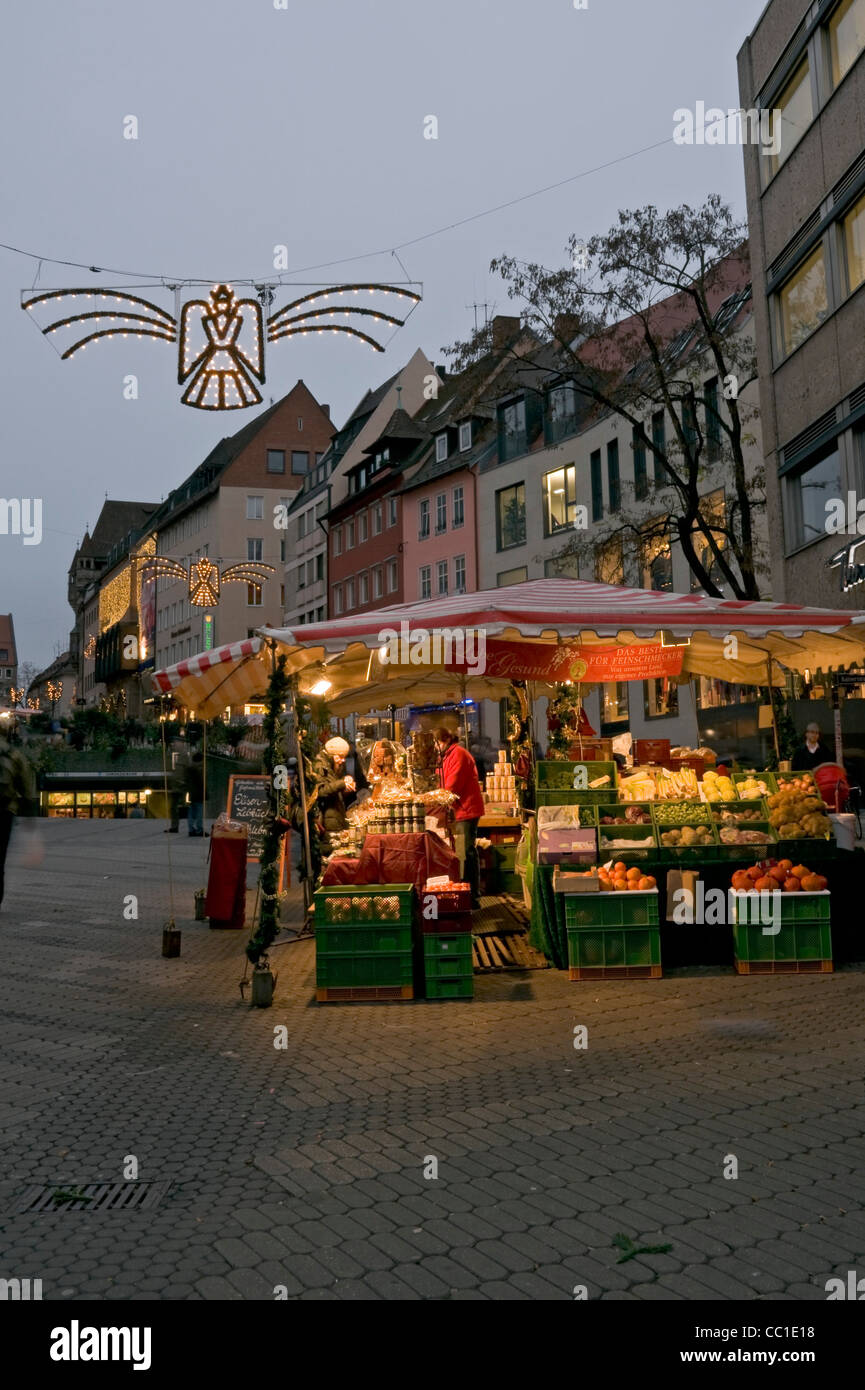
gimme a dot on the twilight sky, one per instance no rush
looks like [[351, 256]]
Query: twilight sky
[[303, 126]]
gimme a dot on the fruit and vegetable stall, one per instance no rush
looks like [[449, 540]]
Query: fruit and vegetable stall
[[619, 858]]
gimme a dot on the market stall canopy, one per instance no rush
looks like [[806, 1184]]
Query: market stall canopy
[[596, 622]]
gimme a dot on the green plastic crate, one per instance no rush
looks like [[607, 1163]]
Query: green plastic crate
[[595, 910], [795, 907], [618, 808], [360, 905], [626, 832], [378, 938], [766, 777], [374, 969], [460, 987], [691, 854], [447, 967], [449, 947], [552, 775], [739, 851], [797, 941], [609, 948], [698, 813]]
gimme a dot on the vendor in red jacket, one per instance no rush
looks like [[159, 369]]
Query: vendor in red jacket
[[460, 775]]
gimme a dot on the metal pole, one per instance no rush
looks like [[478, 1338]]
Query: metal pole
[[301, 780], [836, 721], [772, 708]]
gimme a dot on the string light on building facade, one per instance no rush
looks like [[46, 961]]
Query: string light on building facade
[[221, 339]]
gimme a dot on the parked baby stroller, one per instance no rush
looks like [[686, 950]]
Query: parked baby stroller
[[838, 794]]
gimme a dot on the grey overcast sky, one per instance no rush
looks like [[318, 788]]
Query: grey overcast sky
[[303, 126]]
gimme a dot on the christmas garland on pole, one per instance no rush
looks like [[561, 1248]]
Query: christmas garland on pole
[[274, 765]]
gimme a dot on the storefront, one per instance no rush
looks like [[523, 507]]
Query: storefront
[[99, 796]]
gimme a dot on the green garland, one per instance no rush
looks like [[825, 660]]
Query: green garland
[[274, 756]]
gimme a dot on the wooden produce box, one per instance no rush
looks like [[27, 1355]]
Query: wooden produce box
[[652, 750]]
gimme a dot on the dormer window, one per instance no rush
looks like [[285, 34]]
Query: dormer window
[[441, 447], [465, 436]]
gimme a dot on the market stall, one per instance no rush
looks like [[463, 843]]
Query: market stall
[[542, 634]]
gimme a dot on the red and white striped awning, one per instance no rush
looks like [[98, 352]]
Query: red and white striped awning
[[542, 610]]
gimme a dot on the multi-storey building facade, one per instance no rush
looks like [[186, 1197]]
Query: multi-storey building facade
[[806, 211], [8, 660], [234, 508], [308, 587]]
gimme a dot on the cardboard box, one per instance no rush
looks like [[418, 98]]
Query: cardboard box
[[564, 882], [676, 879]]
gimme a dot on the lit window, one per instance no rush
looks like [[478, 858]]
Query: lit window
[[656, 560], [846, 37], [854, 245], [713, 509], [559, 492], [803, 302], [661, 698], [792, 113], [425, 585], [254, 595]]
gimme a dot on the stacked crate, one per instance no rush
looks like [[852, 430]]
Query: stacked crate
[[363, 942], [613, 936], [445, 944], [800, 943]]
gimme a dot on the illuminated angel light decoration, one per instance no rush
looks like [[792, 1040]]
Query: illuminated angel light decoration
[[221, 339], [203, 578]]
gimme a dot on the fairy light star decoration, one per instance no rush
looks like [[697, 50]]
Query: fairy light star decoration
[[203, 578], [221, 339]]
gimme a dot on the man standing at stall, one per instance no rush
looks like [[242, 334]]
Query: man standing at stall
[[460, 776]]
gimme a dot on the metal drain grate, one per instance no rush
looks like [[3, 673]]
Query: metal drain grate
[[92, 1196]]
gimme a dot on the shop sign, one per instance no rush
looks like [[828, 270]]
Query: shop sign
[[571, 662]]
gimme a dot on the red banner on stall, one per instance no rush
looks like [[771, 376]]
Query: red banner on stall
[[569, 662]]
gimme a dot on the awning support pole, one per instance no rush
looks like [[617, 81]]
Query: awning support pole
[[301, 782], [773, 709]]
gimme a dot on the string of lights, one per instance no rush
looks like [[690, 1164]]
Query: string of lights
[[170, 281]]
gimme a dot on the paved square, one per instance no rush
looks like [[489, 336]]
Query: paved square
[[305, 1170]]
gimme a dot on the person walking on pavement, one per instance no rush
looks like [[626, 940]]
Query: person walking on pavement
[[460, 775], [176, 789], [195, 787], [333, 784], [17, 795]]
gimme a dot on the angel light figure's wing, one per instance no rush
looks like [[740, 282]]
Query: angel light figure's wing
[[315, 313], [88, 315]]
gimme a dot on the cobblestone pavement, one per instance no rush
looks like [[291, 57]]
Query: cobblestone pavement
[[304, 1168]]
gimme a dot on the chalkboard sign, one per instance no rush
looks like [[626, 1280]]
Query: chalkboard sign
[[249, 802]]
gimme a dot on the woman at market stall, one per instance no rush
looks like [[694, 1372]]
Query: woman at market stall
[[460, 775]]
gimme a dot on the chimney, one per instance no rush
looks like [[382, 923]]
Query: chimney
[[326, 409], [442, 370], [566, 328], [504, 329]]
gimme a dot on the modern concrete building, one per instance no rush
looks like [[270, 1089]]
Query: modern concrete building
[[806, 213]]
